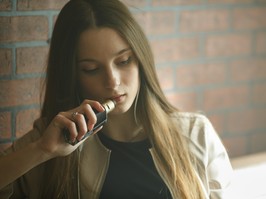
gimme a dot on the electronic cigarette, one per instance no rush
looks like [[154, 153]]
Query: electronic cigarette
[[109, 105]]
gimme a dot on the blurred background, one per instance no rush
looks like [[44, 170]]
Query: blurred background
[[210, 56]]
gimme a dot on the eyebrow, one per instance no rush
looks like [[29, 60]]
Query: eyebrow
[[115, 54]]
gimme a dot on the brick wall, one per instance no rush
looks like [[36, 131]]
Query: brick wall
[[25, 30], [210, 57]]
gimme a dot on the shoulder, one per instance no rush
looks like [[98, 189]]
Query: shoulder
[[212, 161], [192, 124], [203, 141], [187, 119]]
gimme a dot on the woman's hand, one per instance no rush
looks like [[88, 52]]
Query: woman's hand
[[77, 122], [52, 142]]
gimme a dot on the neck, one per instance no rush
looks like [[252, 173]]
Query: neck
[[124, 128]]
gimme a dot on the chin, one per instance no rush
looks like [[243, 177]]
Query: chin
[[123, 108]]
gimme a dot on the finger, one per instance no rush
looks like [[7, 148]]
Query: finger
[[81, 125], [94, 104], [68, 126], [82, 120], [90, 116], [91, 108]]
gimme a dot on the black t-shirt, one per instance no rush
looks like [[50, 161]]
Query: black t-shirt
[[132, 173]]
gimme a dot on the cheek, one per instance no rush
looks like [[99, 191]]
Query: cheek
[[88, 88], [133, 79]]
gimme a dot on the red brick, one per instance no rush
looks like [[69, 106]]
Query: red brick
[[31, 60], [6, 5], [247, 70], [228, 45], [5, 125], [183, 101], [157, 23], [236, 146], [259, 94], [23, 28], [249, 18], [258, 142], [246, 121], [174, 2], [40, 4], [24, 121], [226, 98], [175, 49], [261, 43], [19, 92], [200, 74], [204, 20], [166, 77], [6, 61]]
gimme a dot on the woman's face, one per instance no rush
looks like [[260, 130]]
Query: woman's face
[[107, 68]]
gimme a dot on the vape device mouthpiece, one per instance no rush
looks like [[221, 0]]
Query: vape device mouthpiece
[[109, 105]]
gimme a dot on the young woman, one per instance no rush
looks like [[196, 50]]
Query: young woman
[[147, 149]]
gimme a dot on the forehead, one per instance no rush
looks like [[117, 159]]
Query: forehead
[[100, 42]]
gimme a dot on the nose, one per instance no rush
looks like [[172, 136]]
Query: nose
[[112, 78]]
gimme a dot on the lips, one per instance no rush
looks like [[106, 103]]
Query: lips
[[118, 98]]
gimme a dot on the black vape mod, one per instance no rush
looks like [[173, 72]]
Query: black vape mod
[[109, 105]]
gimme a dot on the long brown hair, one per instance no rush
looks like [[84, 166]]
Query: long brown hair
[[152, 106]]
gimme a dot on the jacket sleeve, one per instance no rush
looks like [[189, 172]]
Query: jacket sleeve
[[219, 171], [212, 164], [6, 192], [18, 189], [13, 190]]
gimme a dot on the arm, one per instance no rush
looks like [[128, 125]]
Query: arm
[[38, 149], [32, 150], [219, 169], [211, 162], [19, 162]]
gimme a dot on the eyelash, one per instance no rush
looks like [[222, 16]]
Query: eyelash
[[122, 63], [90, 71], [126, 62]]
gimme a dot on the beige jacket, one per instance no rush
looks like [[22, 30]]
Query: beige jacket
[[215, 173]]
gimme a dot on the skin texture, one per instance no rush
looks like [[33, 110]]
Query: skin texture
[[107, 69], [71, 88]]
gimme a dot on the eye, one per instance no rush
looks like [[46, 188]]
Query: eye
[[125, 62], [90, 71]]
